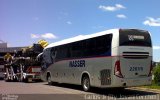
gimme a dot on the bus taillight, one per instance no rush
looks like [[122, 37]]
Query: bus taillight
[[150, 70], [117, 69]]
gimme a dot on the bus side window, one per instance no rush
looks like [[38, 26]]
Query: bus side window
[[69, 50], [61, 52], [53, 55], [103, 45]]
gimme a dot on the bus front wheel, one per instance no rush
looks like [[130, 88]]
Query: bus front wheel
[[86, 83], [49, 79]]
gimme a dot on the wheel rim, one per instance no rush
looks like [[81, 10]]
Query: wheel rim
[[49, 80], [86, 84]]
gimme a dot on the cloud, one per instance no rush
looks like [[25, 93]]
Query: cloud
[[35, 36], [48, 36], [121, 16], [45, 36], [111, 8], [156, 47], [69, 22], [152, 22]]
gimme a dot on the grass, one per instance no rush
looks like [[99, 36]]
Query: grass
[[153, 86], [156, 73]]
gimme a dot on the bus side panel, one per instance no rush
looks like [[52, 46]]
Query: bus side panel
[[55, 72], [101, 71], [62, 72]]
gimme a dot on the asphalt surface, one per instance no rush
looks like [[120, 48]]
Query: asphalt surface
[[42, 91]]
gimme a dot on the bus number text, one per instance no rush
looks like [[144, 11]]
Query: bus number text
[[136, 69]]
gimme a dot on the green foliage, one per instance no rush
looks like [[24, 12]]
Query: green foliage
[[156, 73]]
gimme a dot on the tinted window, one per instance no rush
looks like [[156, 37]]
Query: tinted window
[[98, 46], [61, 52], [133, 37]]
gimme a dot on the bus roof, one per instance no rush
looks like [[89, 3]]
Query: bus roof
[[81, 37]]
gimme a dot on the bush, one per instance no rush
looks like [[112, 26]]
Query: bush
[[156, 73]]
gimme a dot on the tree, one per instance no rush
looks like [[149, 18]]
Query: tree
[[157, 74]]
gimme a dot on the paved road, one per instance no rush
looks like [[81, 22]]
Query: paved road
[[42, 91]]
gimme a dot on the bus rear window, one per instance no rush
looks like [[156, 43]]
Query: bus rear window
[[134, 37]]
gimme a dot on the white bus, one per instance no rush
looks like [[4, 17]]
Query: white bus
[[112, 58]]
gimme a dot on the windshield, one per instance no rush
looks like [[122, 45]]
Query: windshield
[[134, 37]]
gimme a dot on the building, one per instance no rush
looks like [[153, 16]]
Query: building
[[4, 49], [3, 45]]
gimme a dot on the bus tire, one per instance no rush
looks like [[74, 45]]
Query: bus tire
[[49, 79], [120, 88], [23, 79], [86, 83], [26, 80]]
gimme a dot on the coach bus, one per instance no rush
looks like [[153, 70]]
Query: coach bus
[[113, 58]]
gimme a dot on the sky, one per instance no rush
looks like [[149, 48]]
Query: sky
[[24, 22]]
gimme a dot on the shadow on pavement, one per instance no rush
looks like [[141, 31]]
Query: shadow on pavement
[[114, 92]]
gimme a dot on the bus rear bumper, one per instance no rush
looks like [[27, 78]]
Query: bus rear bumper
[[121, 82]]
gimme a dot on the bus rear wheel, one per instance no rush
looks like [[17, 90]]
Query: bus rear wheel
[[86, 83]]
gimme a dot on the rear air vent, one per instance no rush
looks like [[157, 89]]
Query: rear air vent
[[105, 77], [135, 55]]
